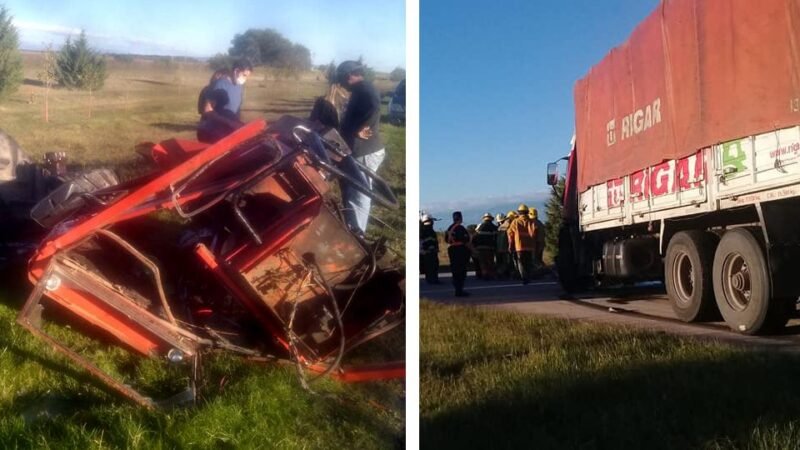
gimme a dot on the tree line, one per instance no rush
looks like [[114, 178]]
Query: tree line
[[74, 66]]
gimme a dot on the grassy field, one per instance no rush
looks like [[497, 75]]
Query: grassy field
[[47, 403], [501, 380]]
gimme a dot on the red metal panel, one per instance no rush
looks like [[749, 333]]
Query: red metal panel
[[692, 74]]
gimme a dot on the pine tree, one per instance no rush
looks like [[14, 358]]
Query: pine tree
[[80, 67], [551, 228], [10, 58]]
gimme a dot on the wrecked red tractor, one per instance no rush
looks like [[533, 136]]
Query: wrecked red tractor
[[260, 262]]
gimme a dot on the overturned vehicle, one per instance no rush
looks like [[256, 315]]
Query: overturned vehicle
[[240, 246]]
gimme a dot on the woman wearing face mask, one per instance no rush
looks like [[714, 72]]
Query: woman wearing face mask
[[221, 114]]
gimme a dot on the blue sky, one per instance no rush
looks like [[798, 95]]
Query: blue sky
[[342, 29], [496, 82]]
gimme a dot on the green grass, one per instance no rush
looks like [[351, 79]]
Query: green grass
[[46, 402], [491, 379]]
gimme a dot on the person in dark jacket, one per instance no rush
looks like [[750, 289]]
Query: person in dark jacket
[[360, 129], [429, 248], [458, 251], [538, 259], [485, 243]]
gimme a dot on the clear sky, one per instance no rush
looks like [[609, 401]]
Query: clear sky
[[496, 82], [332, 30]]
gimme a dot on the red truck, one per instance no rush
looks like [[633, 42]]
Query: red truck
[[685, 163]]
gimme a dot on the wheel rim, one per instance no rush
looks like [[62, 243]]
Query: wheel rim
[[736, 282], [683, 274]]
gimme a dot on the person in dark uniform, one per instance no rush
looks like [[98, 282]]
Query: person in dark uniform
[[473, 252], [458, 250], [485, 242], [429, 248]]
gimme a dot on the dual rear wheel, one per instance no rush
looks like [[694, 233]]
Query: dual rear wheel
[[706, 276]]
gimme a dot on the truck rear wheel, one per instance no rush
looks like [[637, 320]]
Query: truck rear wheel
[[743, 286], [566, 264], [687, 275]]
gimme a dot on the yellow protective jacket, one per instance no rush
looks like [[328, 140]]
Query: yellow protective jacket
[[522, 234]]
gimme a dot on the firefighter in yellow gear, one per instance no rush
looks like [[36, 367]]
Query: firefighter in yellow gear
[[522, 238], [513, 270]]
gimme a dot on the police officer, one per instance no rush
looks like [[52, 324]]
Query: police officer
[[522, 233], [458, 250], [485, 243], [429, 248]]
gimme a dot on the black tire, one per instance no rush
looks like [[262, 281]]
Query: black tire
[[743, 286], [687, 275], [567, 266]]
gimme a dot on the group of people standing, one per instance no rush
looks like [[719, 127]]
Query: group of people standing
[[352, 106], [512, 248]]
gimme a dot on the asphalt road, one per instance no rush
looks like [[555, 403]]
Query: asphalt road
[[643, 305]]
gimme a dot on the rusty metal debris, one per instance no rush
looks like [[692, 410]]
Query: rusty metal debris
[[260, 263]]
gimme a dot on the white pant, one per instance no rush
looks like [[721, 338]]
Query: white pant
[[359, 202]]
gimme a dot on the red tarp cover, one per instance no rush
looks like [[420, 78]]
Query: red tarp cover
[[693, 74]]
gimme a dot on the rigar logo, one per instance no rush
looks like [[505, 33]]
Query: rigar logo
[[634, 123]]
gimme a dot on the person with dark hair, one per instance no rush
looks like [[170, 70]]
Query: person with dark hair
[[220, 114], [457, 238], [360, 129], [203, 103], [327, 110]]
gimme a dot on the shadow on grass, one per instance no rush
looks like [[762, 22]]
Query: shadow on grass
[[175, 127], [281, 110], [32, 82], [386, 119], [155, 82], [680, 405], [308, 103]]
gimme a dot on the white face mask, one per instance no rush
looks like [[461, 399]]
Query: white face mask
[[241, 79]]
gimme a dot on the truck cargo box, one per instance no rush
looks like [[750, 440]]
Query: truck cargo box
[[693, 74]]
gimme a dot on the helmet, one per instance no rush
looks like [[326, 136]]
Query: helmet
[[345, 69], [426, 218], [522, 208], [511, 215], [500, 217], [533, 213], [487, 216]]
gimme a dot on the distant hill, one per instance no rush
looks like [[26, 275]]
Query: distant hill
[[473, 214]]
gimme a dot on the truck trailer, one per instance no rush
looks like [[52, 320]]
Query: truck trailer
[[685, 164]]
